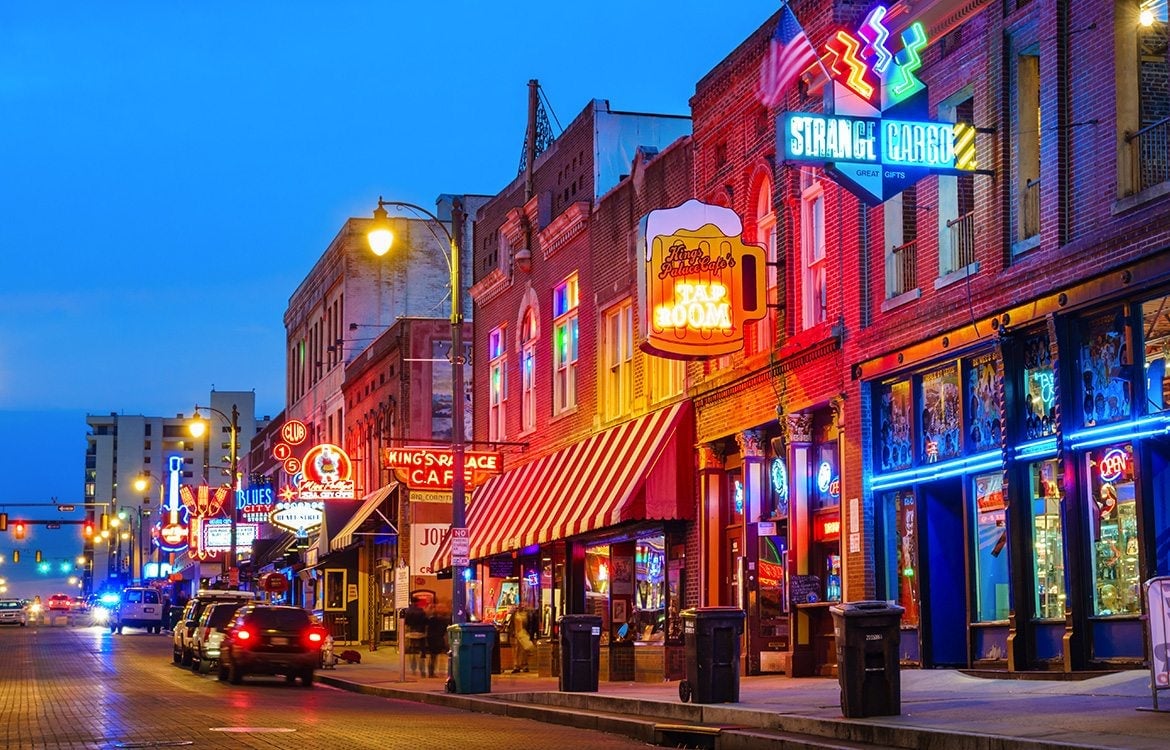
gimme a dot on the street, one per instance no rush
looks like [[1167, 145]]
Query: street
[[81, 687]]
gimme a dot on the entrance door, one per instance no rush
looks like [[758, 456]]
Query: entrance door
[[731, 592], [943, 568]]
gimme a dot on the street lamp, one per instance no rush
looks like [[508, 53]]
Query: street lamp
[[380, 239], [198, 427]]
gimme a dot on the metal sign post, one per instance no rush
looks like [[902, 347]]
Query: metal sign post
[[1157, 592], [401, 602]]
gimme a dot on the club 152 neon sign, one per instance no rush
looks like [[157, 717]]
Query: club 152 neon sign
[[877, 141]]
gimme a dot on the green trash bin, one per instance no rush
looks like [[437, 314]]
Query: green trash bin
[[867, 635], [471, 657]]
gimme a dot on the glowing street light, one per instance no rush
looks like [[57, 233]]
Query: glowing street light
[[198, 427]]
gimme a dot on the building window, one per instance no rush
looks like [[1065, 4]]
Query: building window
[[1116, 549], [1026, 128], [956, 198], [992, 589], [1156, 330], [760, 335], [1105, 381], [618, 377], [1143, 96], [812, 238], [1048, 541], [565, 340], [498, 365], [898, 571], [528, 372], [900, 222], [667, 377]]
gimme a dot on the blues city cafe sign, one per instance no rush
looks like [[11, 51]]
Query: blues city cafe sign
[[699, 283], [878, 140]]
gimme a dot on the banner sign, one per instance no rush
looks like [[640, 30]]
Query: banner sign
[[216, 535], [298, 517], [699, 283], [877, 141]]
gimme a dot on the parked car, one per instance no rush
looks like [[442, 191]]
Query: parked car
[[12, 612], [209, 633], [183, 637], [271, 639], [138, 607]]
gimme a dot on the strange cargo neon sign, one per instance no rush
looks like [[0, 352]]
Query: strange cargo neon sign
[[877, 141]]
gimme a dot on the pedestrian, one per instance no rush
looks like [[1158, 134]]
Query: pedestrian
[[522, 645], [438, 619], [414, 618]]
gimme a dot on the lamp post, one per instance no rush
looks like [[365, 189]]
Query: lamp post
[[197, 428], [380, 239], [141, 484]]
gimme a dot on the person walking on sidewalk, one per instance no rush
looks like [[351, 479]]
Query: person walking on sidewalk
[[414, 618], [438, 619], [522, 645]]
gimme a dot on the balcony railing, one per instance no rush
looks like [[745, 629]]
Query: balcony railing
[[905, 268], [963, 239], [1149, 150], [1030, 209]]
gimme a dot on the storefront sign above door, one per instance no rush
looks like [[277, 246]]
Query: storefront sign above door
[[431, 468]]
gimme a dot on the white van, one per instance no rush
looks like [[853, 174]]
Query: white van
[[139, 607]]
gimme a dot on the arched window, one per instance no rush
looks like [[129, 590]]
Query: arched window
[[761, 334], [528, 335]]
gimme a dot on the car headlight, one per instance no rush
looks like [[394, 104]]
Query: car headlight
[[101, 614]]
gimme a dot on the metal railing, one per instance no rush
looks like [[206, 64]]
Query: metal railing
[[1149, 150], [1030, 209], [962, 232], [905, 268]]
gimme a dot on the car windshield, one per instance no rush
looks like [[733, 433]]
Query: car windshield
[[10, 605], [280, 618]]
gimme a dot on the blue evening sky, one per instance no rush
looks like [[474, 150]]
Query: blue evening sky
[[170, 171]]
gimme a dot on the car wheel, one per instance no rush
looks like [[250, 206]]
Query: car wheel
[[221, 674], [196, 665], [185, 659], [23, 624], [307, 678], [175, 657], [290, 678], [235, 674]]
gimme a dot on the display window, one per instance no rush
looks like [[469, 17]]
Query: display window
[[983, 417], [1112, 512], [648, 617], [992, 585], [1156, 346], [898, 573], [1039, 408], [894, 441], [940, 400], [1047, 540], [1105, 387]]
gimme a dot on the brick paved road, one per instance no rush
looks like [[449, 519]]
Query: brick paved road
[[85, 688]]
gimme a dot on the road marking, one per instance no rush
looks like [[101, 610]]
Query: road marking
[[251, 730]]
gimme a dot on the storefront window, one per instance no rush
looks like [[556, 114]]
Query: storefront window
[[1106, 390], [899, 573], [1156, 329], [992, 589], [894, 444], [1112, 512], [648, 618], [941, 438], [1048, 540], [983, 415], [826, 490], [1039, 388]]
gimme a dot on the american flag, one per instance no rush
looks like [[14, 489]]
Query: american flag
[[789, 54]]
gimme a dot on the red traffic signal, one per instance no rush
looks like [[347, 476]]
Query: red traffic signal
[[87, 530], [18, 529]]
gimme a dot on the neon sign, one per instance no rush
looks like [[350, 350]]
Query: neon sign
[[699, 283], [432, 468], [824, 476], [875, 157], [328, 474], [297, 517], [172, 535], [1113, 465]]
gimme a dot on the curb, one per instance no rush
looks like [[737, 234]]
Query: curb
[[714, 725]]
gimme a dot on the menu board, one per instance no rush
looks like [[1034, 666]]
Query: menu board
[[804, 589]]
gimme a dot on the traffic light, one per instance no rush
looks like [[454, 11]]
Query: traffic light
[[87, 530], [18, 529], [3, 522], [39, 556], [105, 522]]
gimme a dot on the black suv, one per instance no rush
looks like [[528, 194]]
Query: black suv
[[270, 639]]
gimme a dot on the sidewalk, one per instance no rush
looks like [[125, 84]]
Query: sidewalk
[[940, 708]]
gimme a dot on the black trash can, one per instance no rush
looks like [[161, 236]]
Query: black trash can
[[471, 657], [580, 642], [867, 635], [712, 641]]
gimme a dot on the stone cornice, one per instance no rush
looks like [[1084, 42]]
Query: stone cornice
[[489, 286], [563, 228]]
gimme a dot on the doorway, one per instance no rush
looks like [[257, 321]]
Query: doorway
[[943, 569]]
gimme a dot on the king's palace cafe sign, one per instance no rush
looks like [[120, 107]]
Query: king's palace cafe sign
[[878, 140], [433, 468]]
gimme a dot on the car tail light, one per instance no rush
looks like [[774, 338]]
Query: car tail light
[[316, 636], [245, 635], [206, 634]]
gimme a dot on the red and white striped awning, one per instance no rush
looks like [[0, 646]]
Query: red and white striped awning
[[638, 470]]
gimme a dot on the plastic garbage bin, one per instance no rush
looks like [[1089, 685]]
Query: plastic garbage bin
[[867, 635], [711, 637], [471, 657], [580, 642]]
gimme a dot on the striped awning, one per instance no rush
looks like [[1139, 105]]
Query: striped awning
[[370, 503], [638, 470]]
